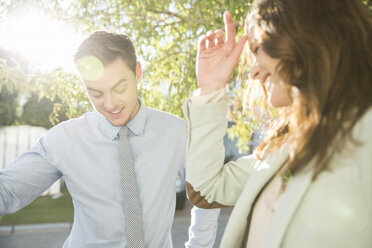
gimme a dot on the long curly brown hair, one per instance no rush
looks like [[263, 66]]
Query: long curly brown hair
[[325, 52]]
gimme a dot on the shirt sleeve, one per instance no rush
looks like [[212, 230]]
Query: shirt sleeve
[[203, 228], [25, 179]]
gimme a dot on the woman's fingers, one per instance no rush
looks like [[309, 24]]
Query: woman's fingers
[[235, 54], [215, 38], [210, 38], [202, 43], [229, 28], [219, 37]]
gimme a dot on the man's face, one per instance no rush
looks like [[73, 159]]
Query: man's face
[[114, 94]]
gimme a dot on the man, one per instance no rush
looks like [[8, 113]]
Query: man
[[85, 151]]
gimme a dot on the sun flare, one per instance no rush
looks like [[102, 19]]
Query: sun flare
[[47, 42]]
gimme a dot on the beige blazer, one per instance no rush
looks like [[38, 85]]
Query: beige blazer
[[333, 211]]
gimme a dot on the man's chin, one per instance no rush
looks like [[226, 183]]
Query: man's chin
[[117, 122]]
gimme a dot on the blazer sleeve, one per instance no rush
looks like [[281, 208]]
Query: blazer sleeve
[[210, 183]]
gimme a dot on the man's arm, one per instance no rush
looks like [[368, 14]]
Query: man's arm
[[25, 179], [204, 223], [203, 228]]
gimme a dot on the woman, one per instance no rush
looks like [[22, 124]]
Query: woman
[[309, 184]]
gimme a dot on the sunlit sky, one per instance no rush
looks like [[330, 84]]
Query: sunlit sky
[[47, 42]]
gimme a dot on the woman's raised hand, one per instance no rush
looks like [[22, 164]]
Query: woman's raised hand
[[217, 57]]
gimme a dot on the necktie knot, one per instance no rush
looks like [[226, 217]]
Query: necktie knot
[[123, 132]]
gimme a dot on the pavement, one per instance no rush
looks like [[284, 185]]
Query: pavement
[[19, 229], [53, 235]]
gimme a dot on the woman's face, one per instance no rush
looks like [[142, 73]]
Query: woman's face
[[264, 69]]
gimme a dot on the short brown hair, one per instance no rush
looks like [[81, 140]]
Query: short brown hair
[[107, 47]]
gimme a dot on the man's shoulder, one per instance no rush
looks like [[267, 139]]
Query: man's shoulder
[[165, 117], [83, 121]]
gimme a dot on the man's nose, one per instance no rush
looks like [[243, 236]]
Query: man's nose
[[110, 102]]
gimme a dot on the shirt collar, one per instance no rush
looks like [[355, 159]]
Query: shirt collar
[[136, 125]]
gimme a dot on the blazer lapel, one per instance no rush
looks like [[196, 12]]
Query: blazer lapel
[[265, 169], [286, 206]]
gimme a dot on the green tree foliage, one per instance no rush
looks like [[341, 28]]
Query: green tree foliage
[[369, 4], [11, 82], [8, 107], [38, 112], [64, 90], [51, 97]]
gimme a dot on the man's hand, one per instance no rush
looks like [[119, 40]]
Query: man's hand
[[217, 57]]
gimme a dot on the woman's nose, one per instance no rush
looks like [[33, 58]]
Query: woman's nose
[[255, 70], [258, 72]]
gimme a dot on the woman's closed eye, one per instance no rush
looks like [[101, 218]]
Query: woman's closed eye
[[255, 49]]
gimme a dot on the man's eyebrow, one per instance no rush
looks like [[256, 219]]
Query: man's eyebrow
[[91, 89], [119, 82]]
